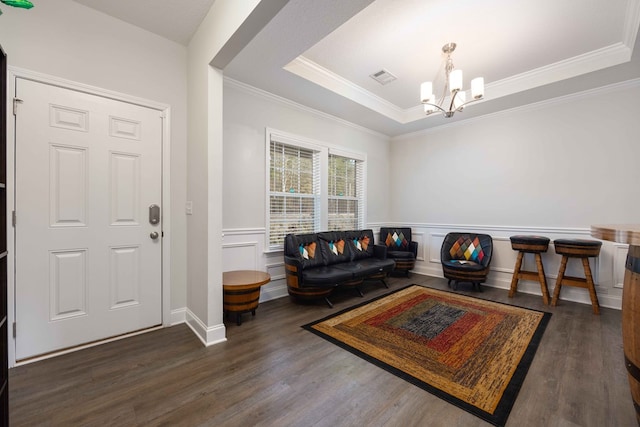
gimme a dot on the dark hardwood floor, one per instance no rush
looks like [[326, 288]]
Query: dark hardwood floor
[[271, 372]]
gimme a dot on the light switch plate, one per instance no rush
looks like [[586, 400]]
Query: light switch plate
[[189, 208]]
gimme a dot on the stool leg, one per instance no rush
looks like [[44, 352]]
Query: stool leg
[[556, 290], [542, 279], [516, 272], [590, 286]]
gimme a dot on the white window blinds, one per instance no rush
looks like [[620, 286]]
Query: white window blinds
[[311, 187], [346, 195], [294, 190]]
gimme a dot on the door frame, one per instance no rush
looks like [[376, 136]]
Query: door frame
[[12, 74]]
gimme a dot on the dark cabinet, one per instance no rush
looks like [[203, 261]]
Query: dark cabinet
[[4, 323]]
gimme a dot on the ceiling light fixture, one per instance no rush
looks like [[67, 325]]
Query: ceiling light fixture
[[453, 94]]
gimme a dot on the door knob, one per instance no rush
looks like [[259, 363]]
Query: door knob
[[154, 235]]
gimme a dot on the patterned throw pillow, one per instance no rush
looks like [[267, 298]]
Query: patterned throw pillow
[[465, 248], [362, 243], [397, 240], [308, 251], [337, 247]]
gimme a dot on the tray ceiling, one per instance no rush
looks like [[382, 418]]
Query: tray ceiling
[[321, 53]]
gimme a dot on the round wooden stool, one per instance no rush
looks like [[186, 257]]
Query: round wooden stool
[[577, 248], [532, 245]]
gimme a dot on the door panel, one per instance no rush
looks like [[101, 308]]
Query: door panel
[[87, 169], [68, 184]]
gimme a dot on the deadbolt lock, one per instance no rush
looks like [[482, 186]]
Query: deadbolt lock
[[154, 214]]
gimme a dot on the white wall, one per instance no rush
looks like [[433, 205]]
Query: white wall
[[554, 168], [247, 114], [570, 163], [64, 39], [228, 25]]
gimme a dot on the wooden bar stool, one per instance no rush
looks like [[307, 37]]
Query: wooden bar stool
[[531, 245], [577, 248]]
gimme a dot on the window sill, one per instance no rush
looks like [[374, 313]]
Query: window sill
[[273, 251]]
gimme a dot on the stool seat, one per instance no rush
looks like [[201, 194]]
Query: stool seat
[[533, 245], [577, 248], [530, 244]]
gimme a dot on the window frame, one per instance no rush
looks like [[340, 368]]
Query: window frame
[[359, 187], [323, 150]]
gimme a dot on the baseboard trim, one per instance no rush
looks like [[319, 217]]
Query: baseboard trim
[[208, 335], [178, 315], [533, 288], [273, 292]]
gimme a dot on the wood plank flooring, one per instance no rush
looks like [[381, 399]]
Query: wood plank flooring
[[271, 372]]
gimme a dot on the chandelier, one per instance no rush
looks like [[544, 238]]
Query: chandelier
[[454, 98]]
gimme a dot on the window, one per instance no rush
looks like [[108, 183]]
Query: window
[[311, 188], [293, 191], [345, 193]]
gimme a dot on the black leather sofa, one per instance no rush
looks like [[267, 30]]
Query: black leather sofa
[[317, 263]]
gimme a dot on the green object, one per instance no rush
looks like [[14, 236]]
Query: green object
[[25, 4]]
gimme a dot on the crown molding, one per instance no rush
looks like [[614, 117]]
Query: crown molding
[[631, 24], [598, 59], [251, 90], [506, 229], [321, 76], [614, 87], [582, 64]]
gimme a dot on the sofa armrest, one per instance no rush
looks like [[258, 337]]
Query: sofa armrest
[[413, 247], [293, 270], [380, 251]]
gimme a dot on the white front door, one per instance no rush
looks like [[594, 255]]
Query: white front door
[[88, 265]]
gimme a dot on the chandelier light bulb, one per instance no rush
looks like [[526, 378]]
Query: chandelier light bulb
[[426, 92], [455, 81], [477, 88]]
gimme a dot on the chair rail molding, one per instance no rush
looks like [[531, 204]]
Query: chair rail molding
[[608, 268], [245, 249]]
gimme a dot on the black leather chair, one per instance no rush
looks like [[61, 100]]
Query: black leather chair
[[400, 247], [465, 257]]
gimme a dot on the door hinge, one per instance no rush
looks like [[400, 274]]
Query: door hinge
[[13, 218], [14, 329], [16, 101]]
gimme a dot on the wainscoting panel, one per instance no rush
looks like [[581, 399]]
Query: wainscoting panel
[[607, 269], [244, 249], [619, 261], [418, 237], [240, 256]]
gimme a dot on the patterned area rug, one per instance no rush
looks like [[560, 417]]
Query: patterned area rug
[[470, 352]]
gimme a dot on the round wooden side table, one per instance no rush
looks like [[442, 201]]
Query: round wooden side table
[[241, 291], [629, 234]]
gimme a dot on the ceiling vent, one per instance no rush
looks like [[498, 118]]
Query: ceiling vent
[[383, 77]]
